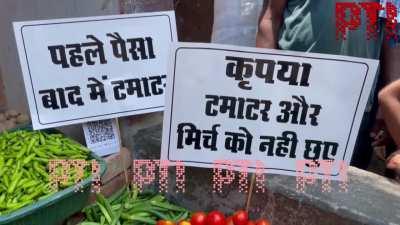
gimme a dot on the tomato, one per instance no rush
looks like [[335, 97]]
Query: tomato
[[263, 222], [240, 217], [229, 221], [184, 222], [215, 218], [250, 222], [198, 218], [165, 222]]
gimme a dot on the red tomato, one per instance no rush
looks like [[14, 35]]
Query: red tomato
[[165, 222], [240, 217], [198, 218], [263, 222], [250, 222], [229, 221], [215, 218], [184, 222]]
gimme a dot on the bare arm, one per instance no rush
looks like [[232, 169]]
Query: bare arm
[[270, 24], [389, 99]]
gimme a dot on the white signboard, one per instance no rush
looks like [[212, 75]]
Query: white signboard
[[95, 68], [270, 109]]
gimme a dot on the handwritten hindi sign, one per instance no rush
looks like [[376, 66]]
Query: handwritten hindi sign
[[87, 69], [227, 105]]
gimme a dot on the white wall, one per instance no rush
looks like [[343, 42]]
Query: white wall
[[20, 10]]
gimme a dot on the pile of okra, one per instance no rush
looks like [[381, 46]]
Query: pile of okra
[[128, 206]]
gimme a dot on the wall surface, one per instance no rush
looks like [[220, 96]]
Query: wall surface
[[2, 94]]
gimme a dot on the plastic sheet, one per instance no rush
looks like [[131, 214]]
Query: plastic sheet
[[236, 22]]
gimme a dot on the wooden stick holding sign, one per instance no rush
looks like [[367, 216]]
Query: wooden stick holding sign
[[251, 189]]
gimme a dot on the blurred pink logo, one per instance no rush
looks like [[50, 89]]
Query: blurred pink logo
[[61, 172], [224, 175]]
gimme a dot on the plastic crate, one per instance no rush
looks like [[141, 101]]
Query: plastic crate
[[57, 207]]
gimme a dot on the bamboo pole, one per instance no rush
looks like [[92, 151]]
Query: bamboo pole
[[250, 193]]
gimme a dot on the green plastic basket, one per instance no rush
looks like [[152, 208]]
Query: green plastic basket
[[56, 208]]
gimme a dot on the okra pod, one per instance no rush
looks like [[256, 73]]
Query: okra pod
[[167, 206], [138, 219], [105, 213]]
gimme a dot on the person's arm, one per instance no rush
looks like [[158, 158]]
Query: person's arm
[[270, 23], [389, 99]]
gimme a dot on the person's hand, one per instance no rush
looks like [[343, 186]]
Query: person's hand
[[393, 161]]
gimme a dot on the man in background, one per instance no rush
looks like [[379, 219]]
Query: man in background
[[310, 26]]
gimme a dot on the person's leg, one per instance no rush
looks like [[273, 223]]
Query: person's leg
[[363, 148]]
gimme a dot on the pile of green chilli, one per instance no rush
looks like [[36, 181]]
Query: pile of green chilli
[[24, 157]]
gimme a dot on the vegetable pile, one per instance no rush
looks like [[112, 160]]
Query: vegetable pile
[[217, 218], [129, 207], [24, 156]]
